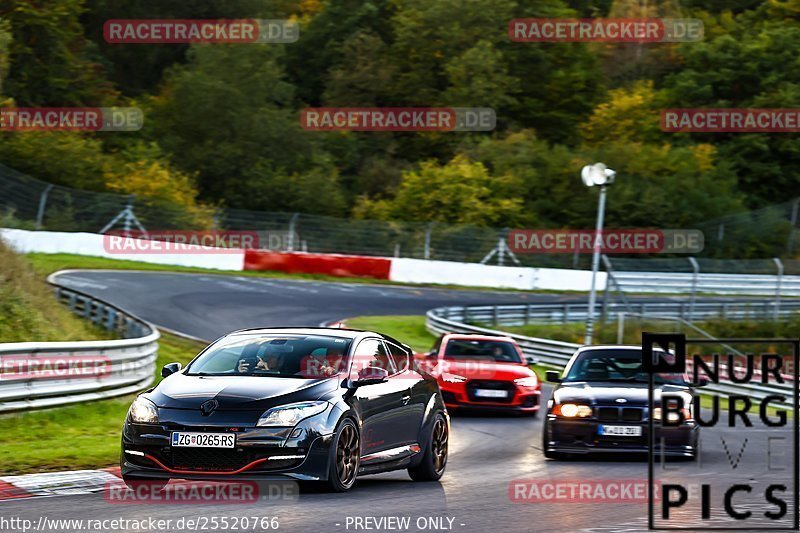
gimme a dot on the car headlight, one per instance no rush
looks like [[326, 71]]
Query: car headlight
[[453, 378], [572, 410], [672, 416], [143, 411], [290, 415], [528, 383]]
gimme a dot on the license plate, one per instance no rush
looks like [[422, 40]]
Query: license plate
[[620, 431], [489, 393], [186, 439]]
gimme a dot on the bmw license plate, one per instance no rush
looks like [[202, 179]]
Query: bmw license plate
[[620, 431], [489, 393], [203, 440]]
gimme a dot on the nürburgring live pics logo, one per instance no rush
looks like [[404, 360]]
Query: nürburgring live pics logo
[[741, 485]]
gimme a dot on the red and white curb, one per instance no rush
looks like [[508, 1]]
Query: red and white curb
[[57, 483]]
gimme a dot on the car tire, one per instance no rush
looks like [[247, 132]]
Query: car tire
[[434, 460], [344, 458], [156, 484]]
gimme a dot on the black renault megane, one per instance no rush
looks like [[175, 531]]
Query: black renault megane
[[317, 405], [601, 405]]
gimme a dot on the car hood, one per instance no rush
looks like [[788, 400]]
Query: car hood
[[607, 393], [485, 369], [180, 391]]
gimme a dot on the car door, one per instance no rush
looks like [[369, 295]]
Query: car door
[[381, 403], [415, 397]]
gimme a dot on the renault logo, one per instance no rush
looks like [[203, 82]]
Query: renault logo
[[209, 407]]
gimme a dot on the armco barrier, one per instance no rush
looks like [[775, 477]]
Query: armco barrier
[[557, 353], [129, 363]]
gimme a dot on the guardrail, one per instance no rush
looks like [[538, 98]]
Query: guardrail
[[551, 352], [126, 365], [564, 312]]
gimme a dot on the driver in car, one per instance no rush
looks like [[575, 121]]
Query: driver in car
[[263, 361], [326, 365]]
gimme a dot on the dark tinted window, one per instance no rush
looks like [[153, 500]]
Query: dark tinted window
[[274, 355], [399, 357], [371, 353], [500, 351], [615, 366]]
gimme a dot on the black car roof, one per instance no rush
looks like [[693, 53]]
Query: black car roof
[[340, 332]]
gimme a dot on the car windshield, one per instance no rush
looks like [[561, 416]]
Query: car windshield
[[500, 351], [286, 355], [616, 366]]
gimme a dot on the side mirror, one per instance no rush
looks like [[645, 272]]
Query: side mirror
[[371, 375], [531, 360], [170, 368], [553, 376]]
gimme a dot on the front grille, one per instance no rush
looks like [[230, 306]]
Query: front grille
[[620, 414], [631, 414], [225, 459], [608, 414], [490, 385], [222, 459]]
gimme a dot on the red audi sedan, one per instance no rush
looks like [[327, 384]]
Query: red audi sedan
[[483, 372]]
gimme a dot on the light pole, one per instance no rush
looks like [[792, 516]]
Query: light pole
[[601, 176]]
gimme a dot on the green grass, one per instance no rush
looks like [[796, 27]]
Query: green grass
[[84, 435], [46, 264], [411, 330], [408, 329], [28, 310]]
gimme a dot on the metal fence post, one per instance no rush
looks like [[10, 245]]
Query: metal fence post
[[42, 206], [620, 326], [427, 251], [695, 276], [790, 240], [292, 224], [778, 282]]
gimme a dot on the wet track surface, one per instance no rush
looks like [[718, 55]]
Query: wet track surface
[[487, 452]]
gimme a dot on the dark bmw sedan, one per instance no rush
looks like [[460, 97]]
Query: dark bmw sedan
[[317, 405], [601, 405]]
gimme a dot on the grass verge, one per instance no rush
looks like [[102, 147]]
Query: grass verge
[[28, 311], [73, 437]]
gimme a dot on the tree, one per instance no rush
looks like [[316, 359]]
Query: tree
[[755, 65], [628, 115], [51, 62], [459, 192], [229, 117]]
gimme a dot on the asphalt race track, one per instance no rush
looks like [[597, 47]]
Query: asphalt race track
[[486, 452]]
